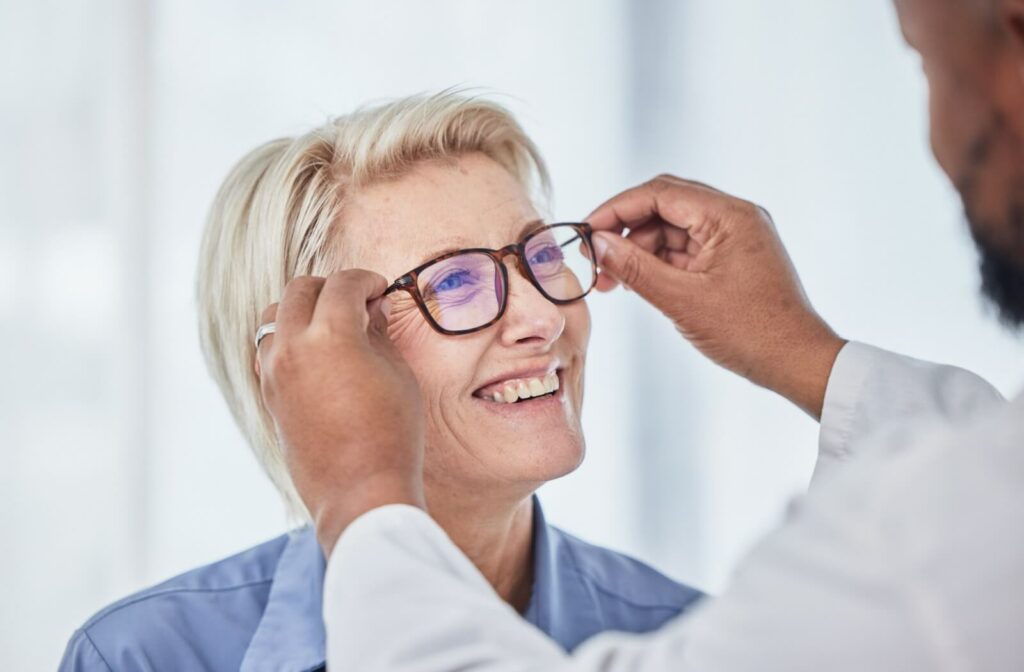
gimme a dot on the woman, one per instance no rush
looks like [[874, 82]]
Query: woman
[[439, 192]]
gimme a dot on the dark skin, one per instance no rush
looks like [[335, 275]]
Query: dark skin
[[712, 263], [972, 53]]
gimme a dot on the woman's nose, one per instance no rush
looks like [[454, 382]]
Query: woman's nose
[[529, 317]]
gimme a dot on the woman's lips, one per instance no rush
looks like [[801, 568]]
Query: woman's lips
[[545, 408], [512, 390]]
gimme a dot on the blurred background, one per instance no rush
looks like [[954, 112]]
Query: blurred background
[[121, 465]]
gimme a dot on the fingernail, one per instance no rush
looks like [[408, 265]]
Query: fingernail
[[385, 307], [600, 245]]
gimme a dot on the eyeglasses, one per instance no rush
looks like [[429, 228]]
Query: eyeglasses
[[467, 290]]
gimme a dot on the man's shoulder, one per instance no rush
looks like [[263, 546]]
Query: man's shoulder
[[619, 579], [212, 610]]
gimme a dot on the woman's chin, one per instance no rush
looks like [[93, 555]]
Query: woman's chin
[[530, 441], [542, 461]]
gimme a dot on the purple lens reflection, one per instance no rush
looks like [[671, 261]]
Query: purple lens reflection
[[462, 292], [559, 258]]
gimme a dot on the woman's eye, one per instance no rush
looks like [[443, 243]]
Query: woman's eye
[[452, 281], [546, 255]]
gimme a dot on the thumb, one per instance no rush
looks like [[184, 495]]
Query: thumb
[[637, 269], [379, 310]]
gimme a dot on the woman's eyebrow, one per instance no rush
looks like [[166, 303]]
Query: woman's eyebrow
[[452, 244], [456, 243], [527, 227]]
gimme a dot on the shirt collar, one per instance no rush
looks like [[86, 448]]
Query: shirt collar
[[563, 604], [290, 635]]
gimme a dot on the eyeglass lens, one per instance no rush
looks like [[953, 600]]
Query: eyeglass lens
[[466, 291]]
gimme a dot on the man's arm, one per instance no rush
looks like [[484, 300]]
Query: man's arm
[[911, 559], [399, 596], [870, 390]]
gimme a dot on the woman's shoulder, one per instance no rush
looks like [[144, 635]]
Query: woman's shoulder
[[619, 578], [208, 612]]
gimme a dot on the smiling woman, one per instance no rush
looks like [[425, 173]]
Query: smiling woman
[[495, 331]]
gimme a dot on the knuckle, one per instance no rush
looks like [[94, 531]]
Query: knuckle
[[282, 361], [302, 284], [666, 181], [763, 212], [660, 183], [358, 280], [743, 210], [268, 313], [319, 334], [349, 277]]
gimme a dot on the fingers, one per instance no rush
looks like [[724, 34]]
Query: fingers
[[297, 304], [339, 301], [675, 201], [605, 282], [378, 310], [647, 274], [665, 241], [657, 236], [650, 237], [343, 300]]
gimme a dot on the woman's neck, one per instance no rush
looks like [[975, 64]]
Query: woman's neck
[[496, 536]]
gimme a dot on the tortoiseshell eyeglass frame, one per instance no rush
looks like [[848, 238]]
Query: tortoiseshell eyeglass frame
[[408, 282]]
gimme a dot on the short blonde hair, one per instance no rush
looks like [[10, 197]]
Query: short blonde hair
[[275, 217]]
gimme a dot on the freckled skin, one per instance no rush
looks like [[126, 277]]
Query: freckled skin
[[394, 226]]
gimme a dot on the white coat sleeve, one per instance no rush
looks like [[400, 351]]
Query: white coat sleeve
[[400, 597], [850, 582], [911, 559], [870, 390]]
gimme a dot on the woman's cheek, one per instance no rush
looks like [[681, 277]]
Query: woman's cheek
[[577, 321], [422, 348], [406, 329]]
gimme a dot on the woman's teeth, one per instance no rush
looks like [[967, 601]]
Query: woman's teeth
[[515, 390]]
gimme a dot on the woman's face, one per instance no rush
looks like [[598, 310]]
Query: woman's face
[[474, 442]]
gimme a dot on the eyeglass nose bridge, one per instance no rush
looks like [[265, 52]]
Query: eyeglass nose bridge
[[514, 250], [517, 250]]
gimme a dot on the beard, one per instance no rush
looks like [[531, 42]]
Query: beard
[[1002, 277], [999, 239]]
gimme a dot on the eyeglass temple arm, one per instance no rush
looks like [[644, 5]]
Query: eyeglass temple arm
[[402, 283]]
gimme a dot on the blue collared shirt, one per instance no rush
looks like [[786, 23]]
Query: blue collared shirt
[[261, 609]]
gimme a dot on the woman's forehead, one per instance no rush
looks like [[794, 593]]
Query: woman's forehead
[[394, 226]]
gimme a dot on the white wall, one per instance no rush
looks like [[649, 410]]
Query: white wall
[[120, 118]]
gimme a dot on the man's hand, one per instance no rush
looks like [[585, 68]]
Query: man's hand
[[347, 408], [715, 266]]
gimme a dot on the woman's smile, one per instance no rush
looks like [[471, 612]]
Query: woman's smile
[[526, 399]]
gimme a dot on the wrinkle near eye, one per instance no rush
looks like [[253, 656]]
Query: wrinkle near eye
[[406, 326]]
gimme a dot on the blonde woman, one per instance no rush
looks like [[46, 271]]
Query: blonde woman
[[440, 193]]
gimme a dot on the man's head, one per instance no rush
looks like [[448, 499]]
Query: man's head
[[972, 52]]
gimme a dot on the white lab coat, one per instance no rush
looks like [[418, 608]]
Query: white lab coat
[[906, 554]]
